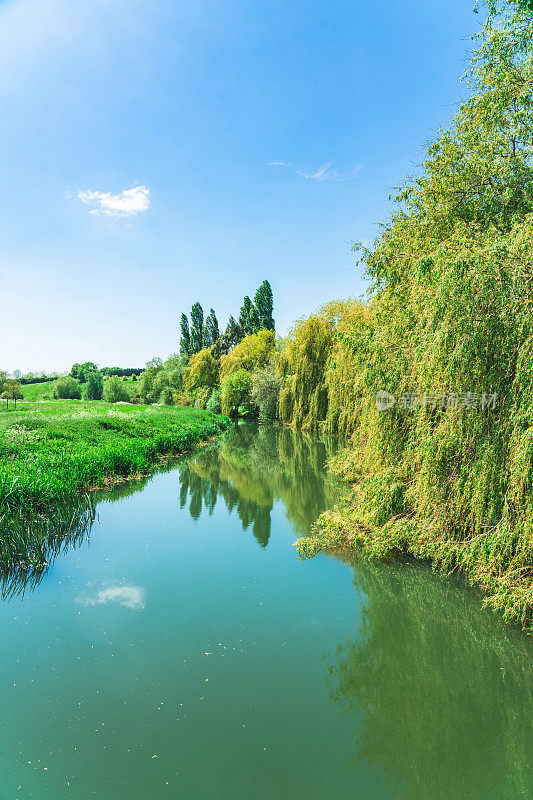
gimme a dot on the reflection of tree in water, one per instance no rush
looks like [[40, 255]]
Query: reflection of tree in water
[[252, 467], [441, 689]]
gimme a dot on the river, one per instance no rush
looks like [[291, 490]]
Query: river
[[182, 650]]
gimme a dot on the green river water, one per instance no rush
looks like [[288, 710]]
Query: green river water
[[184, 651]]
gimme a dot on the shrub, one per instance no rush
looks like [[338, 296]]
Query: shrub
[[235, 390], [95, 386], [115, 391], [66, 389], [265, 392], [146, 387], [166, 396], [202, 396], [213, 404]]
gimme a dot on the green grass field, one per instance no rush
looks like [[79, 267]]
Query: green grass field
[[53, 453], [37, 391]]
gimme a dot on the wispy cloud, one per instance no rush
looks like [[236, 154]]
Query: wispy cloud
[[126, 204], [326, 172], [127, 596]]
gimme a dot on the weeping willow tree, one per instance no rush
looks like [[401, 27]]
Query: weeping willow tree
[[450, 476], [303, 399]]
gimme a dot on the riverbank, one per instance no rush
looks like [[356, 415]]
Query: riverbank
[[52, 454]]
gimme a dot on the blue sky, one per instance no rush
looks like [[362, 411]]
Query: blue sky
[[189, 104]]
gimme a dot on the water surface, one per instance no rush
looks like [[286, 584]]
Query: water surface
[[184, 651]]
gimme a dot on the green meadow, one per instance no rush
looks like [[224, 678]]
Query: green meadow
[[52, 454]]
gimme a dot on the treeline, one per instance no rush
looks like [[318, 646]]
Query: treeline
[[231, 371], [29, 377], [432, 378], [253, 317], [217, 370]]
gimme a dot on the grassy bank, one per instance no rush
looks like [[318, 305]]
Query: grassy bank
[[52, 454]]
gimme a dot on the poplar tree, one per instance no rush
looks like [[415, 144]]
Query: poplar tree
[[264, 303], [248, 318], [197, 328], [211, 331], [185, 340]]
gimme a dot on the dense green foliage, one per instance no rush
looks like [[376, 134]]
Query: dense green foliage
[[207, 358], [51, 454], [95, 386], [264, 305], [211, 332], [446, 473], [121, 372], [302, 365], [248, 318], [81, 372], [201, 372], [253, 352], [11, 390], [214, 404], [253, 317], [114, 391], [234, 391], [197, 328], [265, 392], [66, 389], [185, 338]]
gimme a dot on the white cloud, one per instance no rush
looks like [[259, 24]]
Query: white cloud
[[126, 204], [326, 172], [128, 596]]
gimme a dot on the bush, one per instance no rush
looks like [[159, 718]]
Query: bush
[[235, 390], [265, 392], [166, 396], [95, 386], [115, 391], [146, 387], [66, 389], [202, 396], [213, 404]]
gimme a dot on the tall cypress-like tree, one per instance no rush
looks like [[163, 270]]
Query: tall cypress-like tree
[[185, 340], [264, 303], [197, 328], [211, 331], [232, 335], [248, 318]]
